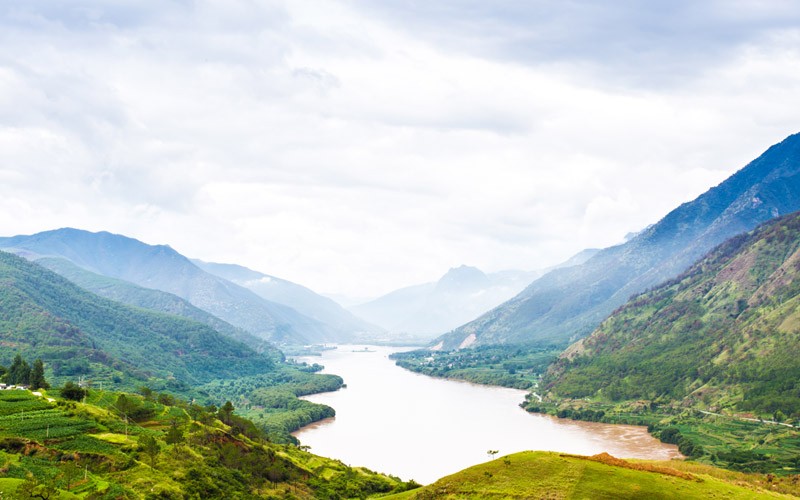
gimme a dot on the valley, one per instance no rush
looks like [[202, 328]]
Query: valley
[[676, 344]]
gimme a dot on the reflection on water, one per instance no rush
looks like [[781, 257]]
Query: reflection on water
[[417, 427]]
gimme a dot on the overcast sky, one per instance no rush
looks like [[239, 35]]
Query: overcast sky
[[359, 146]]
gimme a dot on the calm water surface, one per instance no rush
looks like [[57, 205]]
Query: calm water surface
[[417, 427]]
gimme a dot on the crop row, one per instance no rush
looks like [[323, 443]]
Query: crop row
[[42, 424]]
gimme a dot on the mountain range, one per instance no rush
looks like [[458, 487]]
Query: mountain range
[[79, 333], [159, 267], [430, 309], [298, 297], [567, 304], [462, 294]]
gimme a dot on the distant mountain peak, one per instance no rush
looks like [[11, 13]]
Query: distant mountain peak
[[463, 277]]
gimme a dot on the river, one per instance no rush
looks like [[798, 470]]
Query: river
[[417, 427]]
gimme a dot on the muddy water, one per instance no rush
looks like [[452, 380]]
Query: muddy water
[[418, 427]]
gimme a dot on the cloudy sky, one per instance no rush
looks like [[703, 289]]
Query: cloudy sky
[[357, 146]]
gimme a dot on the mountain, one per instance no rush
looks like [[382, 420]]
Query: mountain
[[299, 298], [162, 268], [76, 332], [567, 304], [462, 294], [724, 333], [146, 298]]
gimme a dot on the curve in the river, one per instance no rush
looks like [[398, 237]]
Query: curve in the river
[[418, 427]]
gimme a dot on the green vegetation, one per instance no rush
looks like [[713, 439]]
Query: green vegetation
[[121, 445], [271, 400], [552, 475], [78, 335], [707, 359], [504, 365], [726, 441]]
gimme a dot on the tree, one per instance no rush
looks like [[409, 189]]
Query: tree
[[20, 372], [33, 488], [71, 470], [73, 391], [37, 376], [150, 446], [146, 392], [226, 412], [174, 434]]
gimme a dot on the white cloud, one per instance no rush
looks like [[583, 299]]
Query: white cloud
[[356, 149]]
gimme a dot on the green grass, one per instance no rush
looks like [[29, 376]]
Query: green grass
[[555, 476]]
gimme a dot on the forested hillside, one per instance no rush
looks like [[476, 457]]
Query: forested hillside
[[78, 333], [723, 335]]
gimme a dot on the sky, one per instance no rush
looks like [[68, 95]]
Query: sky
[[360, 146]]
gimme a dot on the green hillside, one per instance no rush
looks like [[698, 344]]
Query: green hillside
[[77, 333], [724, 335], [545, 475], [64, 449], [708, 360]]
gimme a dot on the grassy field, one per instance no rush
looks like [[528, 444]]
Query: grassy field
[[533, 475]]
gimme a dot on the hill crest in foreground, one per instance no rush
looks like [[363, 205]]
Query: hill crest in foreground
[[551, 475]]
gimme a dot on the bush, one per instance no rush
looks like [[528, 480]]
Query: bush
[[73, 392]]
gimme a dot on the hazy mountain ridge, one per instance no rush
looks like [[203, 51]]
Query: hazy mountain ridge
[[162, 268], [568, 303], [726, 332], [429, 309], [461, 294], [298, 297], [146, 298]]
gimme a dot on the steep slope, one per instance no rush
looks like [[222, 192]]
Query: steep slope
[[726, 333], [146, 298], [462, 294], [567, 304], [299, 298], [162, 268], [76, 332]]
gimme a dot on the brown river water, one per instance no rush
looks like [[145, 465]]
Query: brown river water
[[417, 427]]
